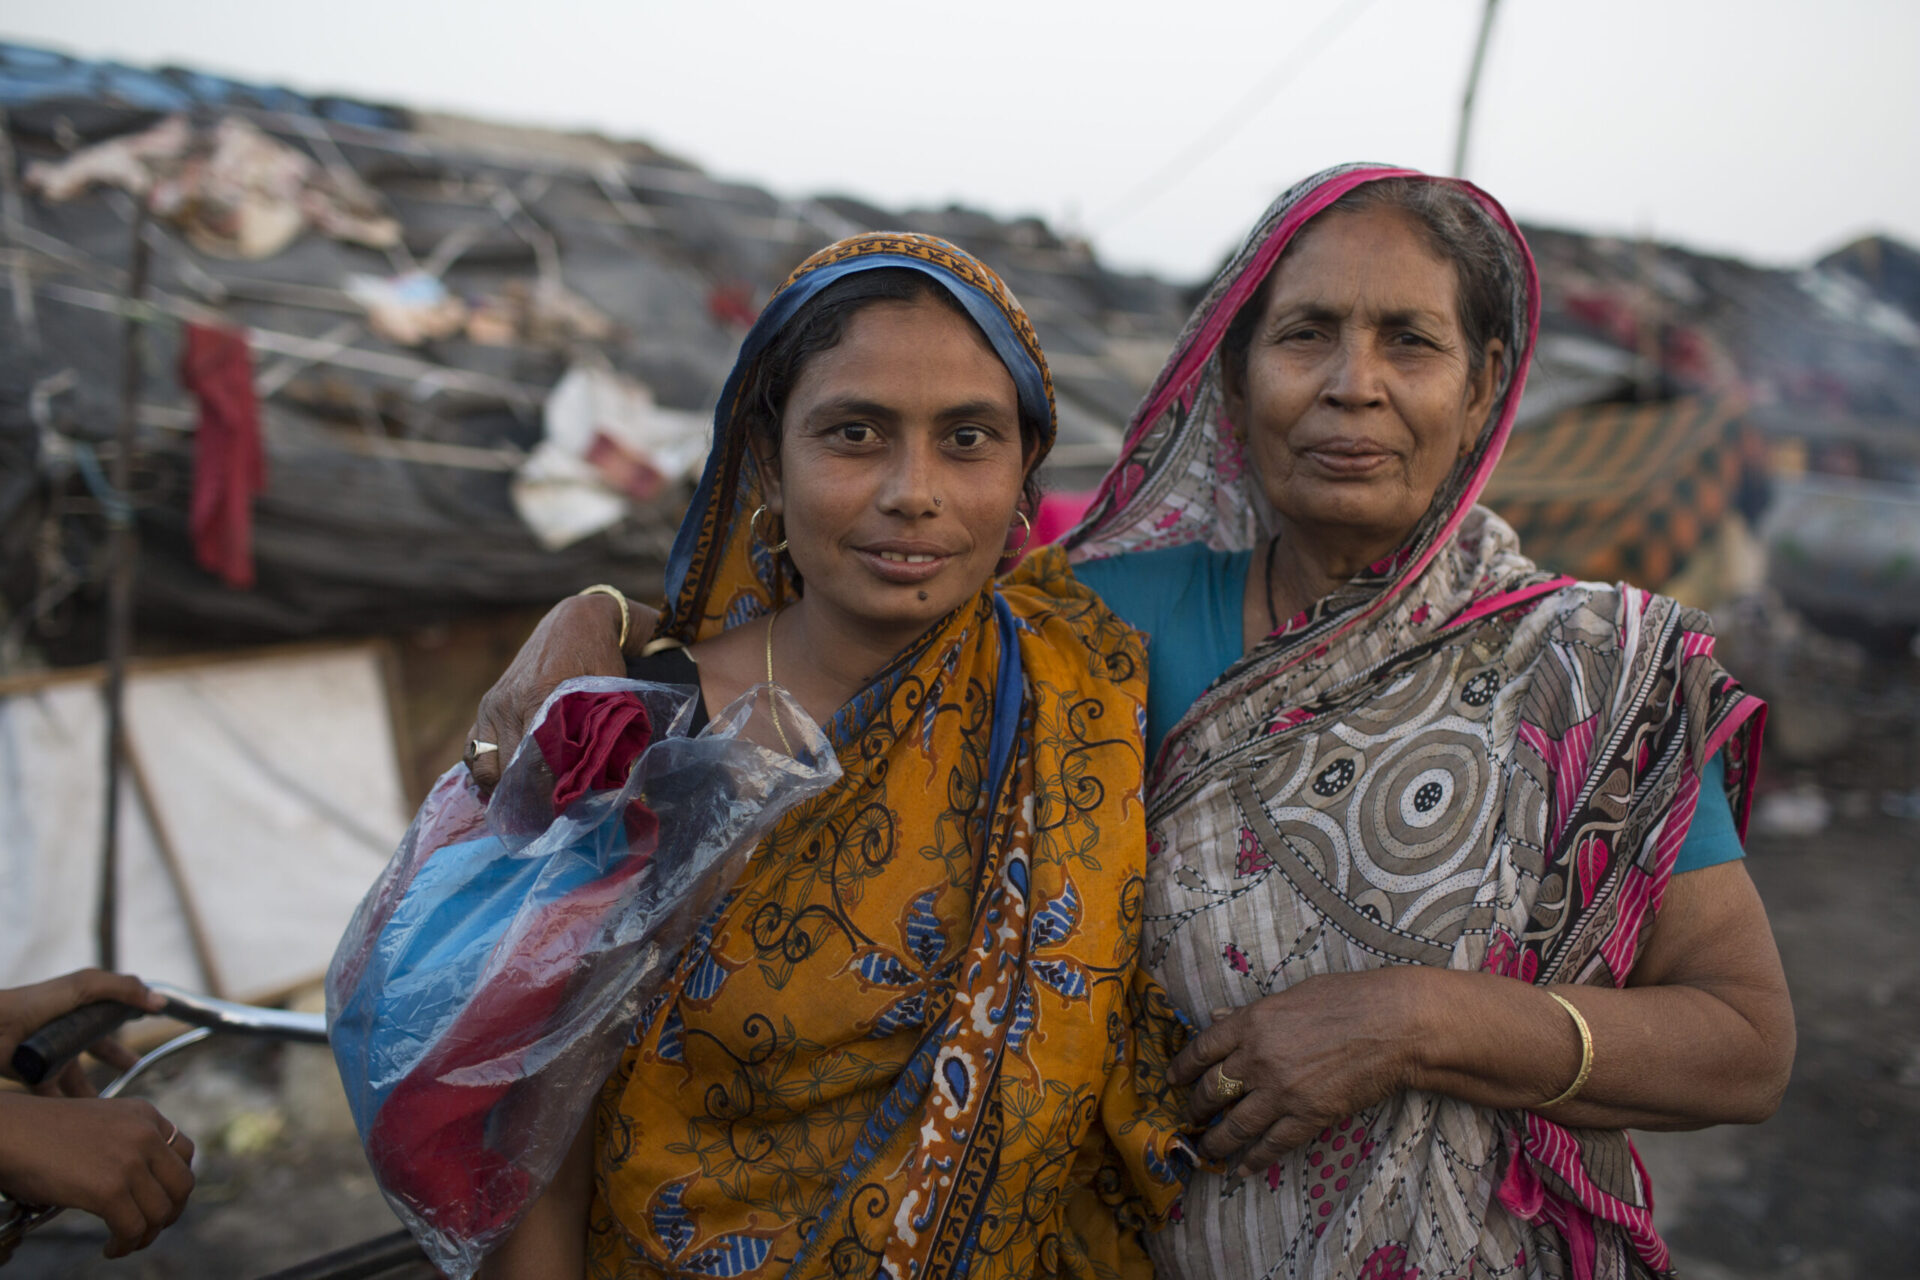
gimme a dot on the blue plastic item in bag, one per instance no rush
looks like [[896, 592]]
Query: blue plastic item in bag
[[491, 976]]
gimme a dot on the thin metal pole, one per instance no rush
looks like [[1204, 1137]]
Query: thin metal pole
[[120, 558], [1473, 84]]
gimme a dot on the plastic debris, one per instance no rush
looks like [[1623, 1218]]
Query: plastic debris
[[1803, 811], [410, 308], [607, 445], [234, 191]]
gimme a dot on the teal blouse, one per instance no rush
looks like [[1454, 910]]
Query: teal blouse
[[1187, 601]]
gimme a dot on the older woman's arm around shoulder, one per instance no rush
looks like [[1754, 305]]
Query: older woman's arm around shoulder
[[1702, 1034]]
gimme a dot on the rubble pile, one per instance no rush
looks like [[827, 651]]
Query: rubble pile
[[484, 359]]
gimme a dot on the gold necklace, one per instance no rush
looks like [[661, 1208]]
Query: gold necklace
[[773, 702]]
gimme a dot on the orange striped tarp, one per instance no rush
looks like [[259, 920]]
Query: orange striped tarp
[[1621, 492]]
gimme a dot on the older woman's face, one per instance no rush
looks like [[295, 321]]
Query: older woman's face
[[1358, 398]]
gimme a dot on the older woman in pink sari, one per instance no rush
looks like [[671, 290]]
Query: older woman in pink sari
[[1441, 844]]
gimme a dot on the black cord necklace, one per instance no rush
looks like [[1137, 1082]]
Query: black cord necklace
[[1273, 615]]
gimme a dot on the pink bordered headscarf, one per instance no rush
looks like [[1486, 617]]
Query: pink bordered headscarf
[[1423, 767], [1183, 475]]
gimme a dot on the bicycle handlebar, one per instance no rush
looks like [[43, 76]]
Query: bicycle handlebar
[[241, 1019], [47, 1050], [43, 1053]]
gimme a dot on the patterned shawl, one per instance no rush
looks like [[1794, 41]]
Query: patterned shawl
[[917, 1038], [1454, 759]]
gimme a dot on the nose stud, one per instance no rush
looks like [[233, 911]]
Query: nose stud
[[937, 503]]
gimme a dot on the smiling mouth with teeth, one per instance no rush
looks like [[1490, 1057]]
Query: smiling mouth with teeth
[[903, 558]]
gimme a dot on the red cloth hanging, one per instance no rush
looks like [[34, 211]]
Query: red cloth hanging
[[229, 463], [731, 304]]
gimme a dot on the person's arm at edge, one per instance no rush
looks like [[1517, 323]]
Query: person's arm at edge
[[1702, 1034], [120, 1160], [550, 1243], [24, 1010]]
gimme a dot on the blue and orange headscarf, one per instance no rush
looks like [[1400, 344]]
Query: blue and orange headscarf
[[717, 577]]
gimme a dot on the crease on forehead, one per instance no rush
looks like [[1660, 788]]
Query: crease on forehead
[[1394, 312], [1362, 260], [858, 405]]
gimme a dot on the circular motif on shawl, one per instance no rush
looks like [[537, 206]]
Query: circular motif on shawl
[[1374, 904], [1479, 689], [1412, 696], [1333, 779], [1413, 819], [1425, 801], [1333, 776]]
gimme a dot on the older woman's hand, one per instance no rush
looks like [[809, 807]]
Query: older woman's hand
[[1321, 1050], [1702, 1034], [579, 637]]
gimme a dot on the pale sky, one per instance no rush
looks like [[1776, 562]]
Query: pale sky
[[1766, 128]]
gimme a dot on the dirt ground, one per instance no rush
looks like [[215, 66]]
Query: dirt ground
[[1829, 1189]]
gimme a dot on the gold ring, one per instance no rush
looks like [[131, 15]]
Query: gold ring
[[1225, 1087], [173, 1135]]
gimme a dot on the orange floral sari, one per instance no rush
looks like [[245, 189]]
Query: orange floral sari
[[916, 1039]]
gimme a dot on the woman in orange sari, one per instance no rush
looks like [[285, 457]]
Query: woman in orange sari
[[915, 1039]]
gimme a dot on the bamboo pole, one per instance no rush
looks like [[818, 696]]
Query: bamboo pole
[[120, 557]]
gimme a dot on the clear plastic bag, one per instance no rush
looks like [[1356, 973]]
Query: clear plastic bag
[[490, 978]]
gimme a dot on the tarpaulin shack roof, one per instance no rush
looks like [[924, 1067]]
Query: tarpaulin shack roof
[[412, 288], [1662, 372], [1622, 492]]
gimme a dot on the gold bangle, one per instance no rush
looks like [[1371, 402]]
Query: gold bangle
[[626, 616], [1586, 1054]]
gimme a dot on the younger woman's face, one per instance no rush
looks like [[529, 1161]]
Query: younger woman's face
[[900, 468]]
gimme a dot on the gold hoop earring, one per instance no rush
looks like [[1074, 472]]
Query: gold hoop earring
[[753, 530], [1024, 541]]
